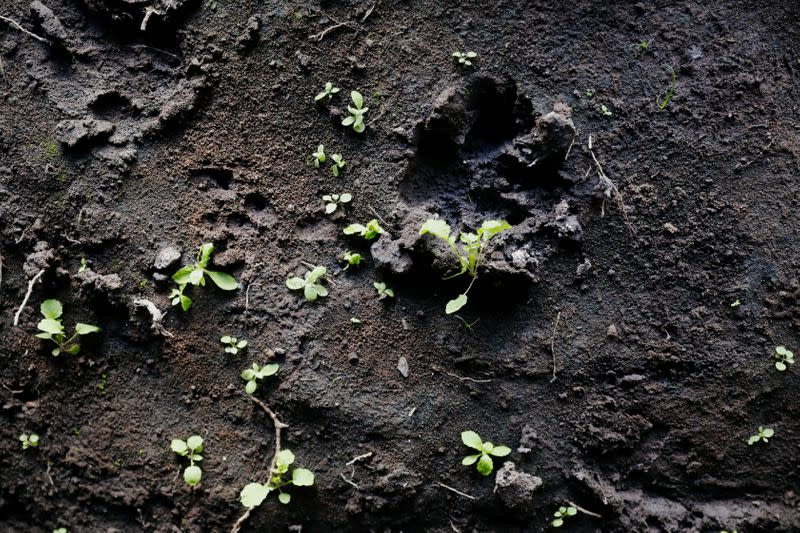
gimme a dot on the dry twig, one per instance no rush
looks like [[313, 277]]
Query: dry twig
[[23, 30], [553, 344], [584, 511], [464, 494], [27, 295], [321, 35], [278, 427], [609, 185], [461, 378]]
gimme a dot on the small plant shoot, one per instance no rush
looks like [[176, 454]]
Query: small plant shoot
[[195, 274], [483, 458], [84, 265], [605, 111], [561, 514], [352, 259], [327, 92], [784, 357], [369, 232], [383, 291], [191, 449], [357, 110], [333, 201], [465, 58], [319, 156], [29, 441], [662, 103], [254, 373], [53, 330], [469, 257], [310, 283], [253, 494], [764, 434], [233, 345], [338, 164]]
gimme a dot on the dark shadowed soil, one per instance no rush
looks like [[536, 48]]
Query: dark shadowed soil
[[623, 331]]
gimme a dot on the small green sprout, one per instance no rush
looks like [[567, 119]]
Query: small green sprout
[[352, 259], [332, 201], [319, 156], [311, 288], [356, 118], [486, 449], [60, 530], [561, 514], [670, 89], [338, 164], [195, 274], [355, 320], [190, 448], [327, 92], [606, 112], [465, 58], [589, 93], [783, 356], [369, 232], [29, 441], [737, 303], [643, 46], [52, 329], [233, 344], [763, 434], [474, 249], [84, 265], [726, 531], [383, 290], [253, 374], [102, 385], [253, 494]]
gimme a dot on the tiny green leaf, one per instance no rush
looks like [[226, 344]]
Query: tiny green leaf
[[455, 304], [284, 497], [224, 281], [253, 494], [302, 477], [85, 329], [51, 309], [192, 475], [178, 446], [485, 465], [472, 439]]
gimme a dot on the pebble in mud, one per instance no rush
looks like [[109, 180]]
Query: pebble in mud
[[516, 488], [166, 257]]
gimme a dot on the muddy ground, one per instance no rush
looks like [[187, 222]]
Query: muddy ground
[[625, 328]]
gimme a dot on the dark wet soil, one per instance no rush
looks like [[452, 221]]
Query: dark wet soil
[[622, 333]]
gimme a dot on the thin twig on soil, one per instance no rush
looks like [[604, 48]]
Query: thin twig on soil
[[27, 295], [1, 270], [464, 494], [321, 35], [349, 481], [553, 344], [247, 295], [12, 391], [610, 185], [23, 30], [358, 458], [756, 158], [570, 146], [49, 477], [157, 50], [377, 215], [369, 12], [461, 378], [584, 511], [278, 427]]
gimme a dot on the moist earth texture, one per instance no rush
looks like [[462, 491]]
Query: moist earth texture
[[620, 338]]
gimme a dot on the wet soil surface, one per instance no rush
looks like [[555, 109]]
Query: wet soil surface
[[619, 338]]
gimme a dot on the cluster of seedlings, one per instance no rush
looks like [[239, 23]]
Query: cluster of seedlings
[[468, 250]]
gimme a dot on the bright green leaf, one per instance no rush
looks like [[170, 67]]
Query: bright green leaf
[[485, 465], [302, 477], [455, 304], [472, 439], [192, 475], [85, 329], [51, 309], [253, 494], [224, 281], [436, 227]]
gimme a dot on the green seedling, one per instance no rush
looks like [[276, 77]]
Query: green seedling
[[333, 201], [319, 156], [253, 494], [783, 357], [357, 110], [84, 265], [737, 303], [383, 290], [29, 441], [472, 252], [52, 329], [234, 345], [310, 283], [670, 89], [191, 449], [764, 434], [643, 46], [561, 514], [352, 259], [485, 449], [327, 92], [369, 232], [589, 93], [606, 112], [338, 164], [195, 274], [355, 320], [102, 385], [60, 530], [254, 373], [465, 58]]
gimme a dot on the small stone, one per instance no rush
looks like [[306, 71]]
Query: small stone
[[165, 257], [48, 21], [670, 228], [516, 488], [73, 133], [402, 366], [612, 331]]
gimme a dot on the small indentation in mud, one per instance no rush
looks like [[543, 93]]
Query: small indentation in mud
[[213, 177], [255, 201], [111, 105], [239, 221]]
